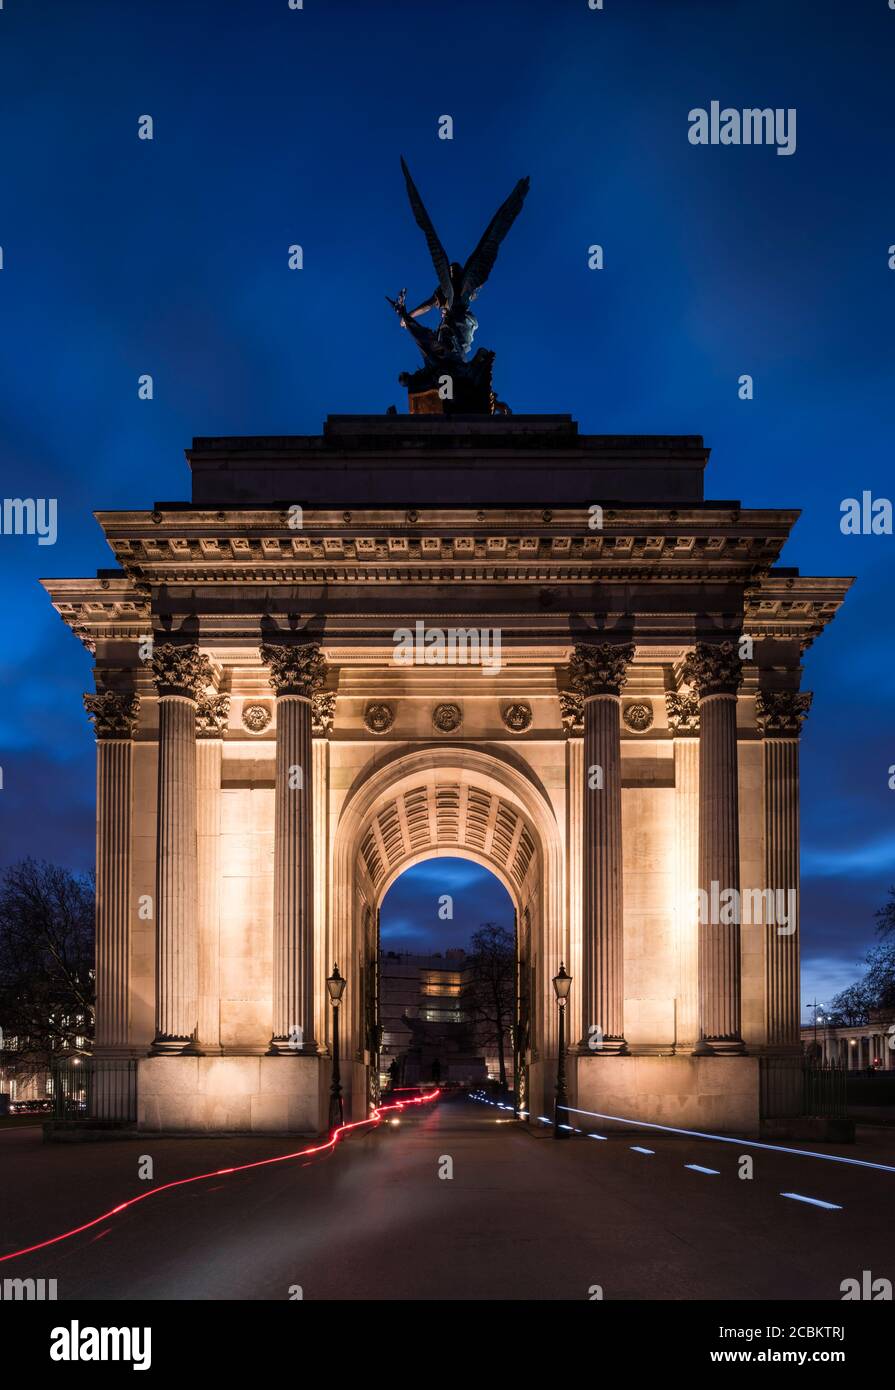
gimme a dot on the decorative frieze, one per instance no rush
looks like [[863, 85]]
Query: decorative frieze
[[212, 715], [517, 717], [638, 716], [295, 669], [323, 712], [714, 669], [180, 669], [600, 668], [447, 718], [682, 709], [379, 718], [781, 713], [113, 714]]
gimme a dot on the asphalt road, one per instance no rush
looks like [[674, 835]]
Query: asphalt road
[[522, 1217]]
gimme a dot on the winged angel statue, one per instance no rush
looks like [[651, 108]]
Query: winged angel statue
[[447, 376]]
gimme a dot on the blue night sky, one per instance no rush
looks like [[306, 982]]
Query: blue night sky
[[409, 919], [275, 126]]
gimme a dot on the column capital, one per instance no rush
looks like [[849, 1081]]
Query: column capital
[[212, 715], [295, 668], [180, 669], [781, 713], [682, 708], [323, 712], [599, 668], [113, 713], [571, 708], [714, 669]]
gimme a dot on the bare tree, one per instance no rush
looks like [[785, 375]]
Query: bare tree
[[850, 1007], [876, 990], [46, 962], [491, 991]]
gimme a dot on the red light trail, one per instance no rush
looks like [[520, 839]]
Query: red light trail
[[330, 1144]]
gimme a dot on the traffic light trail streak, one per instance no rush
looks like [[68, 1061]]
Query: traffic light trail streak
[[374, 1119]]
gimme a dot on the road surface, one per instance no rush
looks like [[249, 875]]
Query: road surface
[[522, 1217]]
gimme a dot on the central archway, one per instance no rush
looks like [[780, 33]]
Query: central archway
[[466, 803], [448, 985]]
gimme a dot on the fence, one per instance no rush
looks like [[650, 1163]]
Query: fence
[[824, 1090], [95, 1089]]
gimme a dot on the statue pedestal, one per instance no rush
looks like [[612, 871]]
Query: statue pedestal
[[427, 403], [453, 387]]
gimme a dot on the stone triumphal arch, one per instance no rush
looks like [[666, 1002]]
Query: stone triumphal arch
[[492, 637]]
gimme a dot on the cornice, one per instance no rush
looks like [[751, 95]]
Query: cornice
[[250, 549], [776, 605]]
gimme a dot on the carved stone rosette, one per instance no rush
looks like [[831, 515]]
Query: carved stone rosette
[[378, 718], [180, 670], [323, 712], [600, 668], [638, 716], [682, 708], [298, 669], [517, 717], [256, 718], [212, 715], [571, 708], [113, 714], [781, 713], [714, 669], [447, 718]]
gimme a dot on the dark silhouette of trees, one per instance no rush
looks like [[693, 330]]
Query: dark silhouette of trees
[[46, 962], [876, 989], [491, 989]]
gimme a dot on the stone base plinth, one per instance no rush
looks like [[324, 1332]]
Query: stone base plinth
[[715, 1094], [251, 1095]]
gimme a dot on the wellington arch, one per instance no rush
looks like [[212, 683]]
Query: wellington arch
[[602, 705]]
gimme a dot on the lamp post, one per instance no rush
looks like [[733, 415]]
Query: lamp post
[[336, 986], [562, 983]]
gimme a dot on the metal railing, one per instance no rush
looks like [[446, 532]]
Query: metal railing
[[824, 1090], [95, 1089]]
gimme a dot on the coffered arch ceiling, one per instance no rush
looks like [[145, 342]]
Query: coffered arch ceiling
[[447, 816]]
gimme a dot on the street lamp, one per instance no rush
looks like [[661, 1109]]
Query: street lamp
[[562, 983], [336, 987]]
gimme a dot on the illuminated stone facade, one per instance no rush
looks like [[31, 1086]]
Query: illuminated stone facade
[[267, 766]]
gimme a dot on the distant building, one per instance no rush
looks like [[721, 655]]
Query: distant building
[[855, 1046], [427, 1027]]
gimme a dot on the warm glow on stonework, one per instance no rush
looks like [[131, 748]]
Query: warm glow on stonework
[[274, 775]]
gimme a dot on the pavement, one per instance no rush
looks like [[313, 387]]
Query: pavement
[[521, 1216]]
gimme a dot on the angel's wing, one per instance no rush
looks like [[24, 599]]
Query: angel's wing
[[436, 250], [481, 262]]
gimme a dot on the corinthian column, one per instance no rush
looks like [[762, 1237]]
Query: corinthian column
[[296, 673], [683, 721], [323, 710], [181, 675], [114, 719], [597, 674], [716, 671], [780, 715], [212, 714]]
